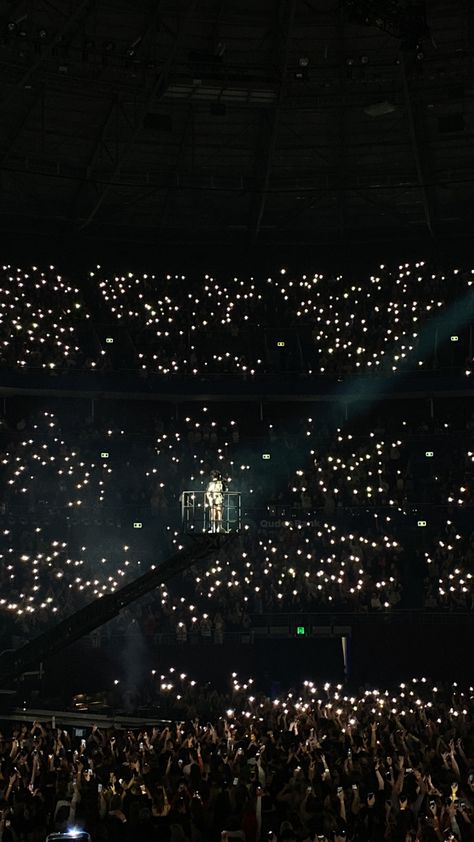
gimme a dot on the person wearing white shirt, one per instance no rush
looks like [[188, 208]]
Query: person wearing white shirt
[[215, 501]]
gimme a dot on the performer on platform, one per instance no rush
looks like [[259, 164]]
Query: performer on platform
[[215, 501]]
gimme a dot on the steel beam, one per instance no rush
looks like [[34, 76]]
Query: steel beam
[[469, 11], [216, 24], [171, 190], [165, 208], [301, 184], [418, 152], [94, 154], [156, 91], [282, 47], [32, 71], [149, 33], [368, 198], [340, 126], [14, 134]]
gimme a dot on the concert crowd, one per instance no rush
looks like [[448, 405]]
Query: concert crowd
[[317, 763]]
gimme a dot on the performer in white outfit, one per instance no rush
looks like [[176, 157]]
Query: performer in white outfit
[[215, 501]]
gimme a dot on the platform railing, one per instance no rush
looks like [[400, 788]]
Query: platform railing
[[196, 512]]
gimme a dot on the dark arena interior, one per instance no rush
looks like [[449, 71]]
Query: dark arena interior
[[236, 420]]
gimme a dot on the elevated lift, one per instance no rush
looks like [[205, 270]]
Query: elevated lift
[[14, 663], [196, 515]]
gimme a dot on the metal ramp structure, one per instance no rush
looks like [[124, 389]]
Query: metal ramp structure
[[13, 663], [196, 517]]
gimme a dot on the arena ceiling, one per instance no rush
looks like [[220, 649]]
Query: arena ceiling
[[244, 121]]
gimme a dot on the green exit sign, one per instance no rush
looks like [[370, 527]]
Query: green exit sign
[[138, 524], [109, 340], [422, 523], [454, 338], [104, 454], [429, 454], [300, 631], [266, 456], [280, 344]]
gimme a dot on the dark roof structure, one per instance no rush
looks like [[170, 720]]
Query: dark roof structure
[[240, 121]]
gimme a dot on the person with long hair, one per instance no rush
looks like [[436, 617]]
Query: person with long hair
[[215, 501]]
